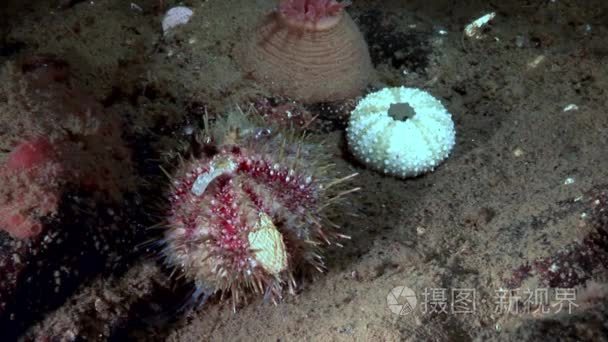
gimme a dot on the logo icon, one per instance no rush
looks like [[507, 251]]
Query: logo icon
[[401, 300]]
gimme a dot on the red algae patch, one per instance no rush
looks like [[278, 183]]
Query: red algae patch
[[56, 137], [29, 178], [30, 154], [311, 51]]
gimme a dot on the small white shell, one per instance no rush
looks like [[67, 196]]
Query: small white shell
[[402, 148], [473, 29], [570, 107], [216, 169], [176, 16]]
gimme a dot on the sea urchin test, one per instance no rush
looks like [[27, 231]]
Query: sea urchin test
[[250, 211], [401, 131]]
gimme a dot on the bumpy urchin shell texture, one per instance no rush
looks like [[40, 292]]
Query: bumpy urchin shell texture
[[386, 136], [245, 216], [308, 62]]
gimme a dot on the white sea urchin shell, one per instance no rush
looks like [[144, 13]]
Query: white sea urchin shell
[[401, 147]]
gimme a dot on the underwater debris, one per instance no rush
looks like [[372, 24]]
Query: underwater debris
[[575, 263], [283, 113], [473, 30]]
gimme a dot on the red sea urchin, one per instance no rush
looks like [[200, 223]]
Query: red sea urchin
[[249, 212], [310, 51]]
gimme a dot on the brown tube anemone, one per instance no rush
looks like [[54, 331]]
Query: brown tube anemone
[[310, 51]]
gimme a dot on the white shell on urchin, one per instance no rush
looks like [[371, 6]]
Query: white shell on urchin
[[176, 16], [401, 131]]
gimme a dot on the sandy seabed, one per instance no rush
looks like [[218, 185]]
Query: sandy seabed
[[514, 207]]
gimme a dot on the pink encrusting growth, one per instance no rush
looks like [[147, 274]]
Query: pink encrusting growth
[[29, 174], [30, 154], [311, 10], [248, 215], [60, 140]]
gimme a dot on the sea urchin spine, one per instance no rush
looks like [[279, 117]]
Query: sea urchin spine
[[246, 216]]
